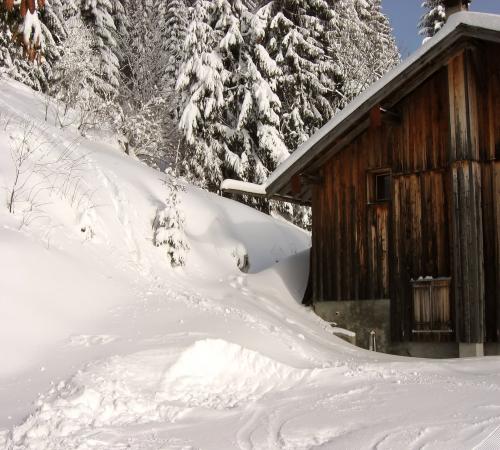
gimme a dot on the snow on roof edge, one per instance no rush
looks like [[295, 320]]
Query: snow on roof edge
[[243, 187], [472, 19]]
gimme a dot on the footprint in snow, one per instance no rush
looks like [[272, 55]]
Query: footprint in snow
[[239, 282], [89, 340]]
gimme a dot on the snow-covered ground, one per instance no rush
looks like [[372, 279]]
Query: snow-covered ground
[[104, 346]]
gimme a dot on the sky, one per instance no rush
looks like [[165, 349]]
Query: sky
[[405, 14]]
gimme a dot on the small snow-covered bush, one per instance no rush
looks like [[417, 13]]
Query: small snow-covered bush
[[86, 223], [168, 227]]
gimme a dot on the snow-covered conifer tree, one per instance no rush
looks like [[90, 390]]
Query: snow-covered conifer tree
[[433, 19], [257, 83], [139, 44], [257, 145], [297, 40], [173, 24], [362, 45], [68, 8], [328, 52], [175, 21], [203, 82], [168, 228], [231, 113], [100, 15], [30, 38]]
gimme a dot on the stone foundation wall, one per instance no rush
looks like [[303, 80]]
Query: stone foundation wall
[[361, 317], [364, 316]]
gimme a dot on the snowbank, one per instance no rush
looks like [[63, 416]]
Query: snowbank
[[216, 374]]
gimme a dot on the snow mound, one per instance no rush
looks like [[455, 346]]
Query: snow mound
[[115, 393], [156, 386], [217, 374]]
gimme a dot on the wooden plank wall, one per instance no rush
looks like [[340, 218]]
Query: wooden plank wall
[[466, 211], [467, 248], [488, 66], [350, 250], [358, 248], [420, 240], [420, 200]]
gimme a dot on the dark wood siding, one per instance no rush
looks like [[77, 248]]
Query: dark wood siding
[[488, 75], [352, 250], [420, 206], [491, 236], [466, 198], [420, 240]]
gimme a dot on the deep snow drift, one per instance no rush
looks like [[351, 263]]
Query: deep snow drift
[[104, 346]]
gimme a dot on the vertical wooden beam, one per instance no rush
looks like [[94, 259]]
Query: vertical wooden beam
[[464, 142], [467, 228], [496, 224], [314, 232], [468, 260]]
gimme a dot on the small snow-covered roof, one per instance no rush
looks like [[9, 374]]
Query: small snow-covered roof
[[484, 26], [257, 190]]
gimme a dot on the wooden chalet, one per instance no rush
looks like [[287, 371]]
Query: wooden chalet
[[404, 185]]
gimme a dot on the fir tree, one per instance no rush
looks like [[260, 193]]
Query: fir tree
[[256, 84], [231, 114], [433, 19], [67, 8], [362, 46], [297, 40], [203, 82], [259, 143], [173, 26], [30, 41], [168, 228], [327, 53], [142, 61], [99, 14]]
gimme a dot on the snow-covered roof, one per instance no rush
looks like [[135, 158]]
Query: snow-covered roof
[[482, 25], [242, 186]]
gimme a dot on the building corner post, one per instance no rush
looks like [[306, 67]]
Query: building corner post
[[466, 206]]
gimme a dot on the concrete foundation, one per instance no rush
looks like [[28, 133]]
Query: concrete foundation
[[346, 337], [470, 350], [361, 317], [364, 316], [492, 349], [434, 350]]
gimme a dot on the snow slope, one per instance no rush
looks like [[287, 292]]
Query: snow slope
[[104, 346]]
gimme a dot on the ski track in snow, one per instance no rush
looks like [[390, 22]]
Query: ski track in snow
[[121, 205]]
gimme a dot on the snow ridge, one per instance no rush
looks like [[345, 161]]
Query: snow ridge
[[216, 374]]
